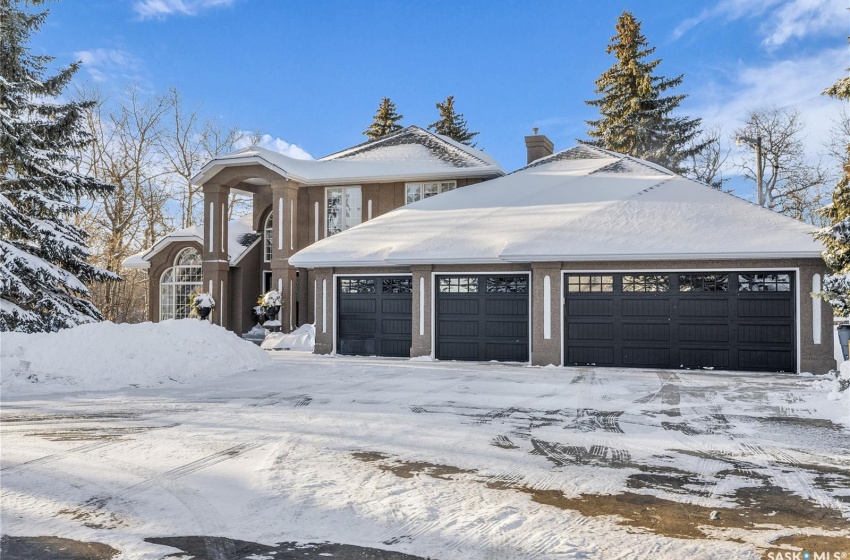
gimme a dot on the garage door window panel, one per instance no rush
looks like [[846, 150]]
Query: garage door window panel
[[459, 285], [504, 285], [703, 282], [646, 283], [357, 286], [764, 282], [578, 284], [397, 286]]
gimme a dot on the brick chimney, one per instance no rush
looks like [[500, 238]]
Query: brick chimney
[[538, 146]]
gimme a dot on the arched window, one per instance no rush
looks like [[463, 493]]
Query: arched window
[[178, 283], [267, 238]]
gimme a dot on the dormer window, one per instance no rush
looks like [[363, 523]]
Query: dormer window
[[420, 191]]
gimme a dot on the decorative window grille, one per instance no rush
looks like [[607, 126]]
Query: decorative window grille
[[703, 282], [764, 282], [459, 285], [507, 284], [397, 286], [646, 283], [357, 285]]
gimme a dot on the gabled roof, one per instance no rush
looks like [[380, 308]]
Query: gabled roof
[[241, 237], [409, 154], [582, 204]]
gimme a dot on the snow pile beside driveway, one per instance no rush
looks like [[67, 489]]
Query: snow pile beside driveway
[[104, 355], [302, 339]]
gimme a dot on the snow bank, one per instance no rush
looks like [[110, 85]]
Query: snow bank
[[301, 339], [108, 356]]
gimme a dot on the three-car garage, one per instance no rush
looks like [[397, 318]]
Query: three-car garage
[[738, 320]]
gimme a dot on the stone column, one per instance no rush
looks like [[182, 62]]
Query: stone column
[[216, 266], [546, 297], [324, 310], [421, 327], [284, 196]]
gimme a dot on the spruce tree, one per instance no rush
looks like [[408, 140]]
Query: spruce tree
[[836, 237], [635, 118], [43, 268], [386, 120], [452, 124]]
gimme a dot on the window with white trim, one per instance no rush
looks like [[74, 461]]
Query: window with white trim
[[420, 191], [178, 283], [267, 237], [343, 209]]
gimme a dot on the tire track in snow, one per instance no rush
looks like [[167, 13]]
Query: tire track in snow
[[61, 455], [204, 462]]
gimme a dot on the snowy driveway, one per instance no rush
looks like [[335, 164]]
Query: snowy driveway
[[446, 460]]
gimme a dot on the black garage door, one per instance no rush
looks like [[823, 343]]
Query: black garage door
[[482, 317], [723, 320], [374, 315]]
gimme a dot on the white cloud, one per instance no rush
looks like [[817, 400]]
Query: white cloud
[[159, 9], [781, 20], [276, 145], [105, 65], [793, 83], [801, 18]]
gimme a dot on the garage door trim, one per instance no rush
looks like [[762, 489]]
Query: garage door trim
[[336, 278], [433, 294], [766, 268]]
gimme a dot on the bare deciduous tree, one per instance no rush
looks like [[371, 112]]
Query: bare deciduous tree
[[150, 147], [791, 183], [707, 164], [187, 142]]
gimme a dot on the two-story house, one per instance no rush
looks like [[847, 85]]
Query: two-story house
[[295, 203]]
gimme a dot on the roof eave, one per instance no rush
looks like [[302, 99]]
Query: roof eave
[[725, 256], [220, 163]]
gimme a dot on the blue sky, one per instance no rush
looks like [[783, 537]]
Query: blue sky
[[311, 73]]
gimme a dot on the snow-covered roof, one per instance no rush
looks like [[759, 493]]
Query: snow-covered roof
[[409, 154], [582, 204], [239, 231]]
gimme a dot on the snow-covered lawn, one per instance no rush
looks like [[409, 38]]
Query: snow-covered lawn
[[447, 460]]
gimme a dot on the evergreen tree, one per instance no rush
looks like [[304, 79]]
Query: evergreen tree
[[836, 237], [452, 124], [386, 120], [636, 119], [43, 268]]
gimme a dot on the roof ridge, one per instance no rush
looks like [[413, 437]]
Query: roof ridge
[[413, 131], [624, 157]]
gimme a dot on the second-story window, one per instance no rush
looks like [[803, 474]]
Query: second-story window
[[343, 209], [419, 191]]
